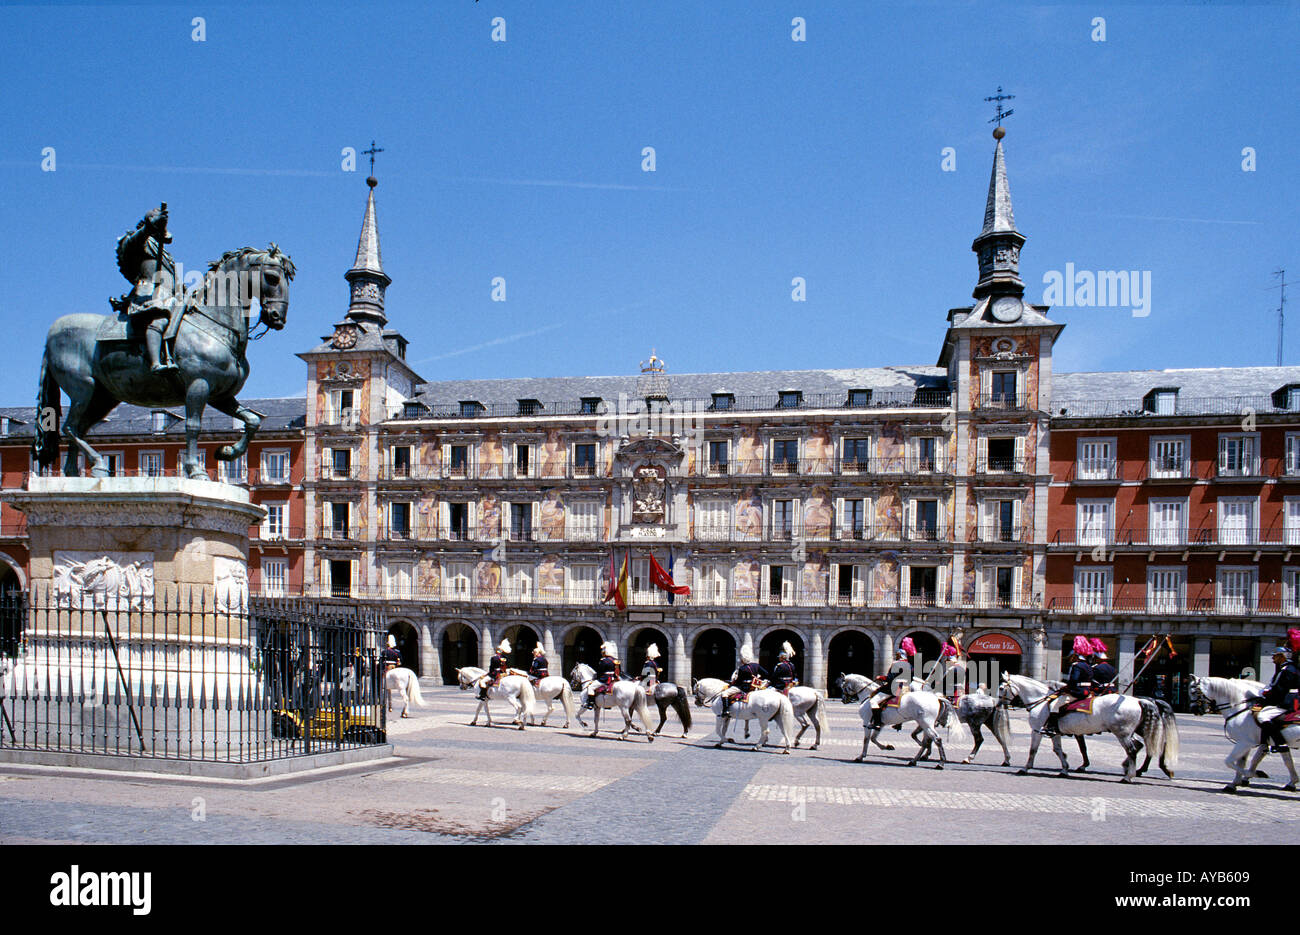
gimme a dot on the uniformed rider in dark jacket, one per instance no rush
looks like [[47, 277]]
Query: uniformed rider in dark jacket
[[1282, 697], [899, 674], [539, 668], [607, 673], [1105, 677], [498, 666], [651, 670], [390, 658], [1078, 685], [746, 679], [784, 676]]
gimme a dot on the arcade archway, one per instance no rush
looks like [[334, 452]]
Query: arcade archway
[[637, 647], [714, 656], [522, 640], [769, 650], [580, 645], [459, 649], [408, 644], [851, 652]]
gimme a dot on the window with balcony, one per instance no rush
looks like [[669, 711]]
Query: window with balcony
[[719, 454], [401, 460], [456, 583], [1168, 522], [275, 525], [1092, 589], [519, 583], [1291, 591], [1096, 459], [724, 401], [923, 585], [583, 583], [1165, 590], [1002, 455], [711, 585], [151, 464], [339, 513], [1235, 590], [1169, 458], [779, 584], [236, 471], [114, 463], [1291, 521], [458, 460], [523, 460], [530, 407], [340, 577], [1001, 521], [855, 518], [584, 520], [790, 399], [341, 409], [458, 521], [275, 467], [521, 521], [1291, 463], [1095, 522], [399, 520], [1238, 455], [340, 463], [471, 408], [1003, 384], [1237, 523], [850, 585], [926, 458], [589, 405], [275, 577], [180, 461], [925, 520], [785, 455], [584, 459], [398, 580], [857, 454], [859, 399], [712, 520], [785, 519]]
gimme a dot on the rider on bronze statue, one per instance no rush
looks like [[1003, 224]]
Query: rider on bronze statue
[[150, 305]]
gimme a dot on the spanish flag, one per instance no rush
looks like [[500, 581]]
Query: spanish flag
[[617, 584]]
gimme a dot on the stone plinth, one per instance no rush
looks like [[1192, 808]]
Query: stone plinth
[[173, 541]]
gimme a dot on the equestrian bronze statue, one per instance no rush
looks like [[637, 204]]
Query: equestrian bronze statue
[[166, 346]]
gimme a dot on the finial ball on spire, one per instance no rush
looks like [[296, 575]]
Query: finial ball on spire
[[372, 181], [999, 132]]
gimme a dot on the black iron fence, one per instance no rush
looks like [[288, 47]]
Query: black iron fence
[[283, 678]]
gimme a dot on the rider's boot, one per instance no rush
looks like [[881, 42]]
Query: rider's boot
[[876, 714], [153, 342], [1050, 725], [590, 703]]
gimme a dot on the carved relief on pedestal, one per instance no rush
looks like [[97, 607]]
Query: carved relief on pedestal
[[121, 580], [230, 585]]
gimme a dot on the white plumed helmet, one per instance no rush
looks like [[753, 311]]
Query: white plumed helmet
[[652, 651], [787, 650], [746, 655], [392, 640], [503, 646], [609, 649]]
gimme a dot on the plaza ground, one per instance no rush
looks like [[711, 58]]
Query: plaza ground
[[452, 783]]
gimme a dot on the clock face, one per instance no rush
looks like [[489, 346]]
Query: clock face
[[1006, 309], [345, 338]]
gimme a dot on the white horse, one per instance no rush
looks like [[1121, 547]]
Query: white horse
[[763, 705], [808, 704], [407, 684], [1121, 715], [1231, 698], [924, 708], [549, 689], [515, 689], [626, 695]]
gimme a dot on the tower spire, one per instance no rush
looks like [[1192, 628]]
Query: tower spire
[[367, 277], [998, 245]]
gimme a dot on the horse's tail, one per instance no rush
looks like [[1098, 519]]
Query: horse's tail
[[948, 718], [1169, 752], [413, 691], [785, 716], [682, 705], [643, 712], [819, 715], [566, 699], [1001, 724], [45, 445], [526, 696]]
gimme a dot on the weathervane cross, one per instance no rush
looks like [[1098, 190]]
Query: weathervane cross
[[372, 150], [999, 98]]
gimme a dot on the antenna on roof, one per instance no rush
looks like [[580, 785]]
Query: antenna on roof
[[1281, 310]]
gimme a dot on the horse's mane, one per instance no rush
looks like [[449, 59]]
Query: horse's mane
[[243, 253]]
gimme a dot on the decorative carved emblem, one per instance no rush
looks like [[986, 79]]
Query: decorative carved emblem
[[230, 584], [345, 336], [96, 579], [648, 494]]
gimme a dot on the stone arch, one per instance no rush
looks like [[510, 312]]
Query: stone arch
[[408, 643], [523, 637], [715, 654], [769, 649], [929, 645], [636, 647], [12, 576], [581, 644], [849, 650], [459, 644]]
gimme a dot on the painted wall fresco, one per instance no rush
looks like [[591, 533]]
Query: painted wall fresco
[[819, 449], [889, 514], [550, 577], [491, 456], [487, 579], [551, 514], [489, 517], [551, 459], [814, 578], [428, 576], [426, 522], [891, 448], [430, 459], [884, 578], [745, 578], [819, 514], [749, 513], [749, 449]]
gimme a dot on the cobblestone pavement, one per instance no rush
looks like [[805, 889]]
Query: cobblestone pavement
[[452, 783]]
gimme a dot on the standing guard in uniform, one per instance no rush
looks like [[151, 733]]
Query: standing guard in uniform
[[152, 303], [391, 657], [784, 676], [652, 669], [1078, 684], [498, 666], [749, 677], [1282, 697], [539, 668], [1104, 675], [893, 682], [608, 671]]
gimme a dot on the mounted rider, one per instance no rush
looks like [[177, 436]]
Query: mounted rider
[[498, 668], [894, 682], [539, 668], [1280, 698], [952, 668], [749, 677], [1078, 684], [391, 657], [652, 670], [153, 306], [608, 671], [1105, 677], [784, 676]]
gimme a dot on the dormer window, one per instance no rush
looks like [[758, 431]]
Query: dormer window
[[790, 399], [1161, 401], [724, 401], [1287, 397], [529, 407], [4, 426], [470, 408], [859, 399], [413, 410], [589, 406], [159, 420]]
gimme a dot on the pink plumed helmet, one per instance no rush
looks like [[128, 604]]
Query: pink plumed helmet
[[1082, 646], [908, 646], [948, 650], [1099, 648]]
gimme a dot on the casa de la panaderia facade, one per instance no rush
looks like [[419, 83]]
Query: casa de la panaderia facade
[[837, 510]]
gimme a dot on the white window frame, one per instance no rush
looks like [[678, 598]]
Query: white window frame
[[235, 471], [713, 519], [1250, 465], [1154, 468], [1223, 604], [1291, 590], [268, 532], [267, 476], [275, 585], [905, 583], [521, 582], [458, 581], [1084, 534], [843, 526], [1162, 535], [856, 467], [151, 453], [1083, 600], [410, 517], [582, 582], [1291, 456], [1090, 465], [1233, 537], [394, 586], [1159, 604], [990, 520], [940, 517], [583, 520], [789, 581]]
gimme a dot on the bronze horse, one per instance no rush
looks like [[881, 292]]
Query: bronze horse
[[93, 360]]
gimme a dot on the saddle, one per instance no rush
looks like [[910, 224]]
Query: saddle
[[1080, 706], [892, 701]]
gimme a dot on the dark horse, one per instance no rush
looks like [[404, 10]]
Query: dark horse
[[671, 695], [91, 359]]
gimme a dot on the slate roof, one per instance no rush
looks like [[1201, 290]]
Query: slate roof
[[282, 414], [1203, 390]]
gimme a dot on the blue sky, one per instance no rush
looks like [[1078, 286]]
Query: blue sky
[[775, 159]]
